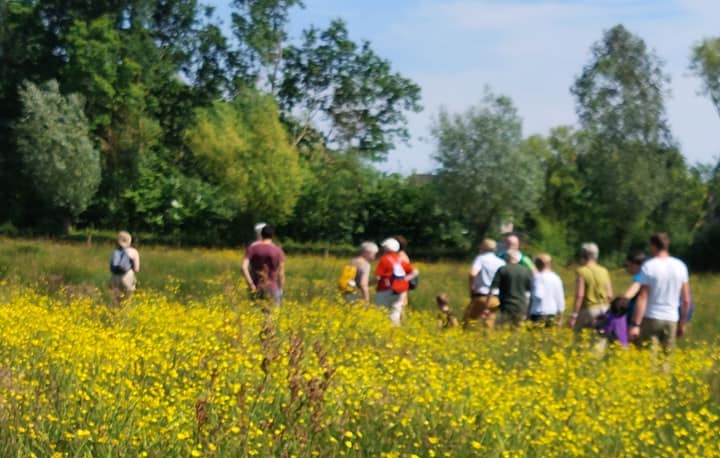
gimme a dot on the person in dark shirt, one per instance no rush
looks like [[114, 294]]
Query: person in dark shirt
[[264, 267], [514, 283]]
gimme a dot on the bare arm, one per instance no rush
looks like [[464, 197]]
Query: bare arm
[[609, 289], [364, 285], [579, 293], [579, 296], [632, 291], [640, 305], [281, 275], [136, 261], [685, 304], [246, 273], [561, 298], [684, 308], [414, 273]]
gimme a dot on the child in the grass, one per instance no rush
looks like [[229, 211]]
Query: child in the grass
[[446, 318], [613, 323]]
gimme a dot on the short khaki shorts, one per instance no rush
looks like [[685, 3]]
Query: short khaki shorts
[[478, 304], [665, 332], [587, 316], [124, 282]]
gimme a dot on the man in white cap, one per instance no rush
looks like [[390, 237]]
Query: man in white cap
[[393, 275], [124, 264]]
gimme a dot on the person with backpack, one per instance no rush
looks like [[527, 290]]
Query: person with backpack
[[354, 279], [124, 265], [393, 276]]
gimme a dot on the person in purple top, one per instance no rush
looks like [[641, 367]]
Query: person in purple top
[[613, 323], [264, 267]]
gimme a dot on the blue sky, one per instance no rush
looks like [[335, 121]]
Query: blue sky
[[531, 50]]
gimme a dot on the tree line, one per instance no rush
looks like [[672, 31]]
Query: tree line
[[144, 114]]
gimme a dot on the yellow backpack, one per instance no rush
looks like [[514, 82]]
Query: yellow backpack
[[346, 282]]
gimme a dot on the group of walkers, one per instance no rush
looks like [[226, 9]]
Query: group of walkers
[[506, 287]]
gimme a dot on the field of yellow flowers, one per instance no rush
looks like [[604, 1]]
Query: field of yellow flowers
[[221, 376]]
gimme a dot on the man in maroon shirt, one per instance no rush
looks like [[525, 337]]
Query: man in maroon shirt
[[264, 267]]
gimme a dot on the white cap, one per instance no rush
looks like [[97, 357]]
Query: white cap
[[391, 245], [258, 228]]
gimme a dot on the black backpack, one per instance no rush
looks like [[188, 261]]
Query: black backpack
[[120, 262]]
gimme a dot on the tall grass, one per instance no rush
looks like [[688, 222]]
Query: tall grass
[[190, 367]]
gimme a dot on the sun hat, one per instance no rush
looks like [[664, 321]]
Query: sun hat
[[124, 239]]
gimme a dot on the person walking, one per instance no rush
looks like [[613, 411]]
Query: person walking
[[593, 289], [393, 276], [512, 242], [357, 286], [124, 266], [264, 267], [484, 267], [663, 303], [513, 283], [402, 254], [548, 295]]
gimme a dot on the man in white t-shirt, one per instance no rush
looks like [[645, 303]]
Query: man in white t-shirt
[[482, 272], [663, 279]]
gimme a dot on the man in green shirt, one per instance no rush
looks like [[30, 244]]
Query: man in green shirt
[[512, 242], [514, 282]]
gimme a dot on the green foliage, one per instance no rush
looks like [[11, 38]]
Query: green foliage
[[483, 158], [619, 94], [242, 148], [56, 150], [332, 80], [705, 63], [627, 155], [259, 26]]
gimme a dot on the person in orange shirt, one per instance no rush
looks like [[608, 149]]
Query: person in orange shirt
[[393, 275]]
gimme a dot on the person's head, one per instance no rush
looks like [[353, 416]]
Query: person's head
[[368, 250], [512, 242], [390, 245], [659, 242], [124, 239], [442, 301], [402, 241], [634, 261], [267, 232], [488, 246], [512, 256], [543, 261], [258, 230], [619, 306], [589, 252]]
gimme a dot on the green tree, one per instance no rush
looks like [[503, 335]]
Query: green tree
[[259, 27], [56, 150], [483, 158], [330, 80], [628, 153], [706, 64], [562, 206], [242, 148]]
